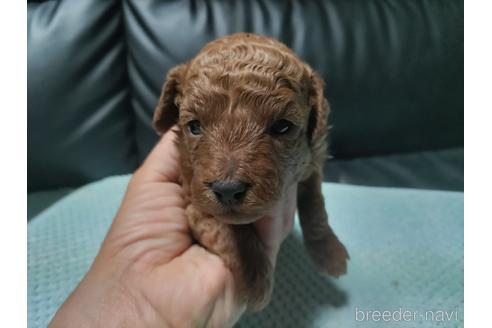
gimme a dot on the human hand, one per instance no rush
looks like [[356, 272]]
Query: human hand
[[149, 273]]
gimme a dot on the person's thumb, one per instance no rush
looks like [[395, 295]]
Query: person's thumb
[[162, 164]]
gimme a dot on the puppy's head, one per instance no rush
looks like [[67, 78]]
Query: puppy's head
[[252, 119]]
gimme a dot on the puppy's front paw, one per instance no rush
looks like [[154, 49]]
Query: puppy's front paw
[[329, 255]]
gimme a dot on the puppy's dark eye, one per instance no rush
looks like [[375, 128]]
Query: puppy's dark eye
[[195, 127], [281, 127]]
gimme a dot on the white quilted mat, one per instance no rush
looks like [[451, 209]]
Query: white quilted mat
[[406, 249]]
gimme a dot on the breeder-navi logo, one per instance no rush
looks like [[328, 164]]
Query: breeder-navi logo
[[401, 314]]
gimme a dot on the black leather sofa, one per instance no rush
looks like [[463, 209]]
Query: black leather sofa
[[393, 72]]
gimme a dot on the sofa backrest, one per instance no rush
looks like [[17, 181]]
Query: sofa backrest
[[393, 73]]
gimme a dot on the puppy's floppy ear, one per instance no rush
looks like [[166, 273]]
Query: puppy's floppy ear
[[167, 112], [318, 117]]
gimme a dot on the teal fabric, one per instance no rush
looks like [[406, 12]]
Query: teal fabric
[[406, 249]]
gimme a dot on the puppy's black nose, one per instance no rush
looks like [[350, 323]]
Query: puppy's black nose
[[229, 192]]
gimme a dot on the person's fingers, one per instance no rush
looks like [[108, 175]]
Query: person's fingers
[[199, 274], [162, 164]]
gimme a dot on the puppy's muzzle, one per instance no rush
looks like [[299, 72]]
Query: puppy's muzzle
[[231, 192]]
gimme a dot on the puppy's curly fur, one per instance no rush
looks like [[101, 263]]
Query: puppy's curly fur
[[249, 110]]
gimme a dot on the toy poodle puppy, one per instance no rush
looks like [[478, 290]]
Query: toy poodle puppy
[[252, 122]]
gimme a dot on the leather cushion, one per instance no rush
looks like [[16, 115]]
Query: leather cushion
[[393, 70], [80, 123], [439, 170]]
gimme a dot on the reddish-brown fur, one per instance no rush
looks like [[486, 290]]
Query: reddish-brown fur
[[237, 87]]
